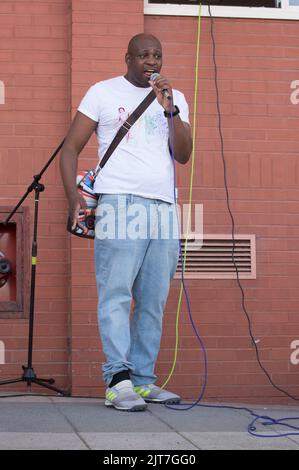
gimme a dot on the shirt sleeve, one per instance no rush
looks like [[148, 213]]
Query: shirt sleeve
[[180, 101], [90, 104]]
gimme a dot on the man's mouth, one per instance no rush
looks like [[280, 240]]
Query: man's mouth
[[149, 72]]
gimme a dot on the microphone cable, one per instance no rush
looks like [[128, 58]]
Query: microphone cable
[[232, 218], [267, 421], [183, 289]]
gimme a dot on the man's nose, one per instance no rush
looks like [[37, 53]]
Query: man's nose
[[151, 59]]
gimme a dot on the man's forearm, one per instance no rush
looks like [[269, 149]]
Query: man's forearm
[[182, 140], [68, 169]]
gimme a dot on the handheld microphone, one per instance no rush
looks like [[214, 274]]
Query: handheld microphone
[[165, 92]]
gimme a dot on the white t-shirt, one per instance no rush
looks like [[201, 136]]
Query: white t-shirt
[[141, 164]]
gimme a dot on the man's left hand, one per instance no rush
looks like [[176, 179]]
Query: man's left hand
[[160, 84]]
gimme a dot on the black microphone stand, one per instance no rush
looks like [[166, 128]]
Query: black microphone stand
[[29, 376]]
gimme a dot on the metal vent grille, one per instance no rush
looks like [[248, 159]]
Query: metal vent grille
[[212, 257]]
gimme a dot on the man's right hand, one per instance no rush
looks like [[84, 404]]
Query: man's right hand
[[76, 203]]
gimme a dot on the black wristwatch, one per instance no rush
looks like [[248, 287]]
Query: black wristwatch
[[168, 115]]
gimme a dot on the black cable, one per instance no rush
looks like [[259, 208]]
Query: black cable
[[48, 396], [232, 217]]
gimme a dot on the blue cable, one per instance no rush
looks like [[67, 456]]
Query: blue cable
[[251, 429], [188, 406]]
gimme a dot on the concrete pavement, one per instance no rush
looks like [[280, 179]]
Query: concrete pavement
[[35, 422]]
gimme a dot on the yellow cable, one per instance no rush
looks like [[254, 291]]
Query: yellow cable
[[190, 199]]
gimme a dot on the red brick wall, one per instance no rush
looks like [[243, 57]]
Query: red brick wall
[[35, 68], [256, 65], [257, 61]]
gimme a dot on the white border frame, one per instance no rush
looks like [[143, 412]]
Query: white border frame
[[287, 12]]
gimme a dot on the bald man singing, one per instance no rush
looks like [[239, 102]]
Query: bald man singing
[[136, 248]]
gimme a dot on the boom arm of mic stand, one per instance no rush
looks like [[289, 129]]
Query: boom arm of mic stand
[[34, 183]]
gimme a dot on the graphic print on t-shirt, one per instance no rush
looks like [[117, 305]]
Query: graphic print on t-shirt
[[122, 114], [122, 117], [147, 127]]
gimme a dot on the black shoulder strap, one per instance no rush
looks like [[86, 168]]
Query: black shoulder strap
[[122, 131]]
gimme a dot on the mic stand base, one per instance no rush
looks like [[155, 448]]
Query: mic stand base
[[30, 377]]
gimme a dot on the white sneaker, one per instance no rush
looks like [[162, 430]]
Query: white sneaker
[[122, 397], [153, 394]]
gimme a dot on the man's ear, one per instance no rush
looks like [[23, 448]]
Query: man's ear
[[128, 58]]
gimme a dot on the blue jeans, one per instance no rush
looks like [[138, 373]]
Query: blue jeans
[[135, 257]]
